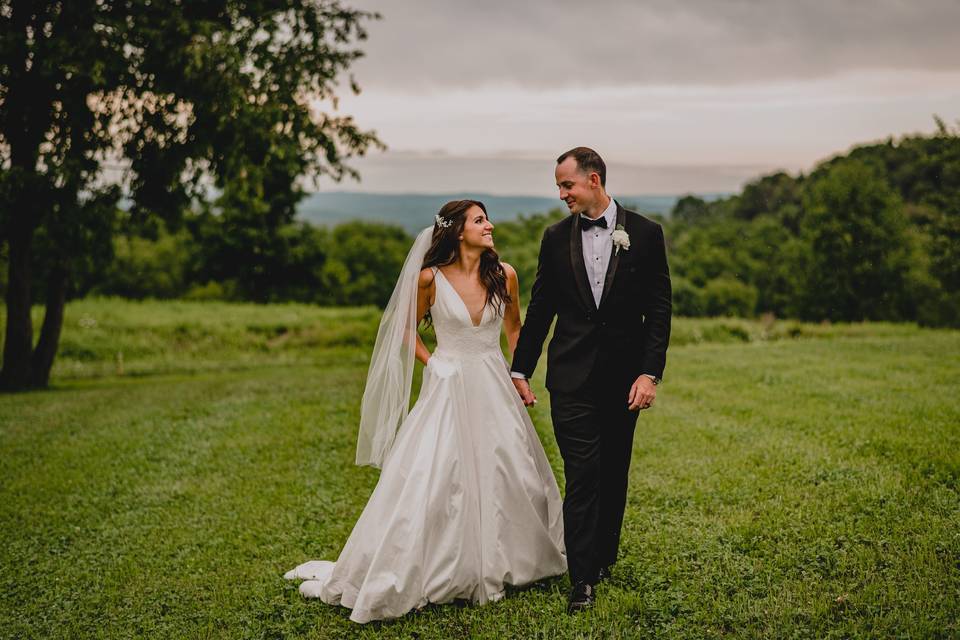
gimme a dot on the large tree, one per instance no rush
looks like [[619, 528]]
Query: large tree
[[175, 97], [860, 254]]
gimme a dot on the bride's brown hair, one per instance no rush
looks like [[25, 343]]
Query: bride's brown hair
[[445, 249]]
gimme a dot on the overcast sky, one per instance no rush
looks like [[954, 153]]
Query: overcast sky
[[677, 95]]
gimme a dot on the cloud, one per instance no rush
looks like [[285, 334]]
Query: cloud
[[788, 123], [423, 45]]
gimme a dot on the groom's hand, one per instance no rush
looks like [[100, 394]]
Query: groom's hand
[[642, 393], [526, 394]]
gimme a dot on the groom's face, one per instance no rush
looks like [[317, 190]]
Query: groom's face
[[576, 188]]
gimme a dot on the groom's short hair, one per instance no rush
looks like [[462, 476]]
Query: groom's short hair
[[588, 161]]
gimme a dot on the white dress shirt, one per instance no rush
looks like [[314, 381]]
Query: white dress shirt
[[597, 245]]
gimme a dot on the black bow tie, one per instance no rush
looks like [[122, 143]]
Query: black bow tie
[[587, 223]]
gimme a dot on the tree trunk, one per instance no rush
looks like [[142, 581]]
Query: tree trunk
[[46, 349], [26, 119], [18, 337]]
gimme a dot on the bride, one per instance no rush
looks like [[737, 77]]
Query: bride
[[466, 502]]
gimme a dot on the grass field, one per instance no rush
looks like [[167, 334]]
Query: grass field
[[793, 481]]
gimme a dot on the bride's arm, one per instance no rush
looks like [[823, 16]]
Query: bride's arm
[[511, 314], [425, 296]]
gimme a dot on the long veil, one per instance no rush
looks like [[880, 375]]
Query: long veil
[[386, 397]]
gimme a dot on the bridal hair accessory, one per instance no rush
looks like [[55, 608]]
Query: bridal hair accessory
[[621, 239], [442, 222], [386, 397]]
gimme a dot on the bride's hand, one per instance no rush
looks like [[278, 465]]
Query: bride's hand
[[526, 394]]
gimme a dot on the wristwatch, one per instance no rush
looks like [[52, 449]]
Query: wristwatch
[[653, 378]]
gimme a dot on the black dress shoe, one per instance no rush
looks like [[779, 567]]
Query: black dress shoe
[[581, 597]]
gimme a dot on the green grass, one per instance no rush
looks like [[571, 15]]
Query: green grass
[[795, 481], [105, 337]]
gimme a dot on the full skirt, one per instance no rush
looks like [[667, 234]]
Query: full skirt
[[466, 502]]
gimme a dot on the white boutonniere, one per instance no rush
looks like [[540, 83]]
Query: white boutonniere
[[621, 239]]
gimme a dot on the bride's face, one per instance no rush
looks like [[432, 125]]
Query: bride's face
[[477, 230]]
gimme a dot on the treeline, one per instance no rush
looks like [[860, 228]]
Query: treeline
[[236, 253], [212, 258], [870, 235]]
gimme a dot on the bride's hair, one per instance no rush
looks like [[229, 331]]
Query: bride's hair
[[445, 249]]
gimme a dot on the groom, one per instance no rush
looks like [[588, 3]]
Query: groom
[[603, 273]]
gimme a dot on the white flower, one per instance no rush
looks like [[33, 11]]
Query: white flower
[[621, 240]]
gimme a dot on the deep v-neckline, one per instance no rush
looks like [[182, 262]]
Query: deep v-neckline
[[483, 312]]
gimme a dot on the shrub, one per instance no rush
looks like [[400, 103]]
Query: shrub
[[728, 297]]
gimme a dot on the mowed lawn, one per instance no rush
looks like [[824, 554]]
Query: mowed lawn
[[793, 481]]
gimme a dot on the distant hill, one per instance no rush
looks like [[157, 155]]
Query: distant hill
[[413, 211]]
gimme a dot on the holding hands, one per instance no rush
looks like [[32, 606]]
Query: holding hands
[[642, 393], [526, 393]]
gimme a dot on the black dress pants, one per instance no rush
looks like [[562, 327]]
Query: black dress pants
[[594, 430]]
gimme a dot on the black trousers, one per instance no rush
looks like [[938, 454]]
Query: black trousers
[[594, 430]]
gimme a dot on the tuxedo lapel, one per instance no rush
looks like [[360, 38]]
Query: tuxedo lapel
[[576, 263], [614, 257]]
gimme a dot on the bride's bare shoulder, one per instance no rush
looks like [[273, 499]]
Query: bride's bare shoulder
[[509, 271], [426, 277]]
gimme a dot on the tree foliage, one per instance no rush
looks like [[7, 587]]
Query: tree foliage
[[870, 235], [179, 97]]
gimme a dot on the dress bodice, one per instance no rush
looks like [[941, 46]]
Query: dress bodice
[[456, 333]]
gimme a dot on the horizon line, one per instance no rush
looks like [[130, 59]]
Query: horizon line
[[513, 195]]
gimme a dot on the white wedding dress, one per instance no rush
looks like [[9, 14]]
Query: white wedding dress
[[466, 501]]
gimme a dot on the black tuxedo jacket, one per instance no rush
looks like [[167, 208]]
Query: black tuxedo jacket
[[627, 334]]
